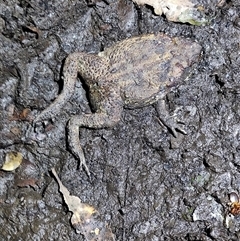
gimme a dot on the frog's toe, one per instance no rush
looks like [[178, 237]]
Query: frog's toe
[[175, 129], [84, 164]]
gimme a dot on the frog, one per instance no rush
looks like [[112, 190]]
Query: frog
[[133, 73]]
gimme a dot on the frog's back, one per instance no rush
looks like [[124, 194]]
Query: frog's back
[[142, 65], [135, 49]]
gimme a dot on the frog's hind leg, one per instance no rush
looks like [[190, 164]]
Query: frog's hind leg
[[109, 116], [70, 72], [76, 63]]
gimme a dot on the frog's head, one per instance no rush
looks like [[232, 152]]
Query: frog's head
[[177, 76], [179, 67]]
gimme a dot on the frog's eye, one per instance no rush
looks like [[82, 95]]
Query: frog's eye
[[233, 197]]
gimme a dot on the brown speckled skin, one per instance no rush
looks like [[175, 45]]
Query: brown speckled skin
[[133, 73]]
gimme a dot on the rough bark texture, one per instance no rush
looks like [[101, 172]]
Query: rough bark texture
[[145, 183]]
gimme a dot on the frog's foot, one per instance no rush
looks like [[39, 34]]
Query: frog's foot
[[74, 143], [168, 121], [172, 126], [77, 151]]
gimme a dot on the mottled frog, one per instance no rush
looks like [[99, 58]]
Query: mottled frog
[[133, 73]]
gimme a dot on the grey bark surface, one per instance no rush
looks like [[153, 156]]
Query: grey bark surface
[[145, 183]]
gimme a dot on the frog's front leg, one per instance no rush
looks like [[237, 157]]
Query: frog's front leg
[[108, 116], [168, 121]]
